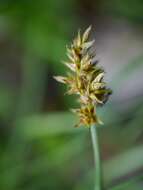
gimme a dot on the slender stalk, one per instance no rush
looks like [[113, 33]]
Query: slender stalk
[[97, 160]]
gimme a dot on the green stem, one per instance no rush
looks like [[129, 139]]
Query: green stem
[[97, 160]]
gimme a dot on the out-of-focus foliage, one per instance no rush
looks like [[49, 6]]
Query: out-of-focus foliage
[[40, 149], [130, 9], [42, 27]]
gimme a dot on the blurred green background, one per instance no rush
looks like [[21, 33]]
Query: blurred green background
[[39, 147]]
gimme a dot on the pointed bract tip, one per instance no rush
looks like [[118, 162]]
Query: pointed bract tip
[[86, 34], [60, 79]]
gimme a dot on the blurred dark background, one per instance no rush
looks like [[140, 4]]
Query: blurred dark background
[[39, 147]]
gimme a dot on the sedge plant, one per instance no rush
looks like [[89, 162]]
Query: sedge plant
[[86, 80]]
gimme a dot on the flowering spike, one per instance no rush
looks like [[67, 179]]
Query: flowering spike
[[86, 79]]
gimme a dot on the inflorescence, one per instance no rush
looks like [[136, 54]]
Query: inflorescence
[[85, 79]]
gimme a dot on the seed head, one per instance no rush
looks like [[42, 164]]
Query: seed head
[[86, 79]]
